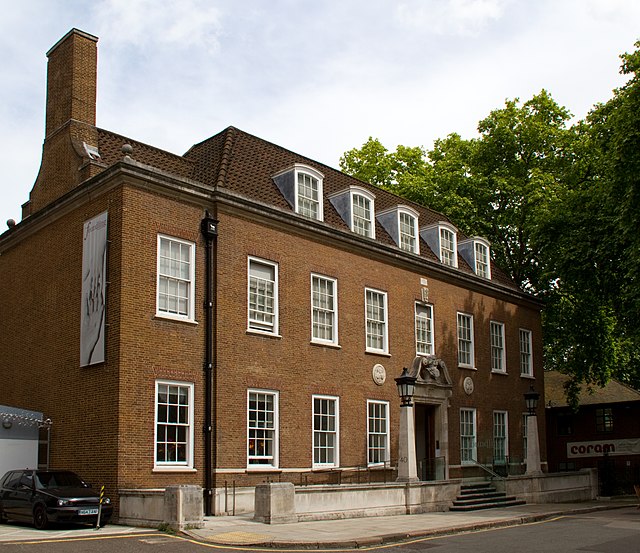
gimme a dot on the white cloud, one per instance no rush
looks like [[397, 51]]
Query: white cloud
[[188, 23], [450, 17]]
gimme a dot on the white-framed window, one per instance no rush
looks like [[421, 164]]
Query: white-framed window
[[483, 260], [263, 296], [324, 309], [496, 332], [175, 278], [465, 341], [500, 437], [526, 355], [468, 442], [309, 194], [362, 213], [173, 424], [448, 247], [408, 231], [376, 321], [262, 428], [424, 329], [377, 432], [326, 424]]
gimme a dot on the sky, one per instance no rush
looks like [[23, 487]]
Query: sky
[[318, 77]]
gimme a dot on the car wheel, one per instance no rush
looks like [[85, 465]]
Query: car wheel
[[3, 518], [40, 519]]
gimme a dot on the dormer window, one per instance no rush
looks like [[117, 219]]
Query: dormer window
[[447, 246], [401, 223], [361, 214], [442, 239], [477, 253], [301, 186], [356, 207]]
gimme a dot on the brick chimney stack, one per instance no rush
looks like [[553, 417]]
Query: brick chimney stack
[[70, 131], [72, 81]]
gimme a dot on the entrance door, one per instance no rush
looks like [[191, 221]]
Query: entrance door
[[425, 440]]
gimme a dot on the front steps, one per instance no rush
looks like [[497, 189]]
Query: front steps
[[474, 497]]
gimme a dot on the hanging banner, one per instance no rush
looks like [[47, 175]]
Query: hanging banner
[[94, 273]]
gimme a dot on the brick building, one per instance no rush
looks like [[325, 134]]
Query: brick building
[[603, 433], [239, 313]]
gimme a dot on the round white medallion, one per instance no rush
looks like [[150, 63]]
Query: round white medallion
[[468, 385], [379, 374]]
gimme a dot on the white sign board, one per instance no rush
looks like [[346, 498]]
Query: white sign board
[[599, 448]]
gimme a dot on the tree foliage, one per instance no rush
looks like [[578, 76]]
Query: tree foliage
[[560, 205]]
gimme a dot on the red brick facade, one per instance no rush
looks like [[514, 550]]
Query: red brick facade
[[104, 415]]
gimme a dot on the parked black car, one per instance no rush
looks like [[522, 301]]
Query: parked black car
[[43, 496]]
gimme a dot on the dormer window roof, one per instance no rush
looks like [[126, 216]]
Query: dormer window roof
[[476, 252], [442, 239], [301, 186], [401, 222], [356, 207]]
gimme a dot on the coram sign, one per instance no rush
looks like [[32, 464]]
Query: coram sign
[[599, 448]]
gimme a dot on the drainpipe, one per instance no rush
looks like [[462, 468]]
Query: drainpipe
[[209, 229]]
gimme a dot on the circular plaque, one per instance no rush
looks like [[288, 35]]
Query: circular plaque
[[468, 385], [379, 374]]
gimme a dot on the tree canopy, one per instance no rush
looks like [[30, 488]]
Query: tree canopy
[[560, 205]]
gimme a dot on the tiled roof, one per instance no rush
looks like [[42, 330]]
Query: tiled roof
[[245, 164], [110, 148], [613, 392]]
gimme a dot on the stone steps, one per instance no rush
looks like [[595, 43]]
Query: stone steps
[[474, 497]]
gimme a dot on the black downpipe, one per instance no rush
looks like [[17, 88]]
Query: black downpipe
[[209, 229]]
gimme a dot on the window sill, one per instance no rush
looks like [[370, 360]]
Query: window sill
[[174, 469], [164, 317], [263, 468], [252, 332], [325, 344], [377, 352], [467, 368], [499, 372], [527, 376]]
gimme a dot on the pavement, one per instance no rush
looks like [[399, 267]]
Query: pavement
[[243, 531], [371, 531]]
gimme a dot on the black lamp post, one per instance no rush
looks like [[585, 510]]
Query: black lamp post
[[406, 386], [531, 400]]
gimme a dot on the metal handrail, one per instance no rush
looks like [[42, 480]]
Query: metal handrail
[[487, 469]]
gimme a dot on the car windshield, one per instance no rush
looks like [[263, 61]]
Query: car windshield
[[46, 480]]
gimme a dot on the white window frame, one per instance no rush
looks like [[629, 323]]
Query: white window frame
[[482, 259], [178, 280], [370, 321], [270, 431], [370, 221], [497, 347], [326, 312], [500, 436], [419, 321], [187, 463], [526, 352], [319, 431], [255, 324], [377, 432], [451, 259], [408, 241], [319, 200], [465, 426], [467, 338]]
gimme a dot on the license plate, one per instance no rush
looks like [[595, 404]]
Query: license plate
[[88, 512]]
